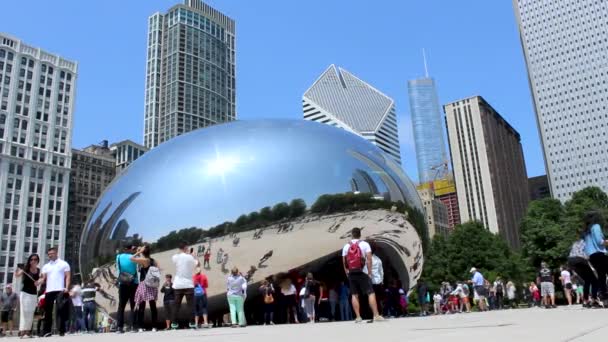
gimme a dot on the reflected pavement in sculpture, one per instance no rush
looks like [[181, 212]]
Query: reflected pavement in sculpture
[[266, 196]]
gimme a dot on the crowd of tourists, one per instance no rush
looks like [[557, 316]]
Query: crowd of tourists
[[47, 293]]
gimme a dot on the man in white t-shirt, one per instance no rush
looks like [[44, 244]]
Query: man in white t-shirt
[[185, 262], [566, 283], [360, 283], [56, 276]]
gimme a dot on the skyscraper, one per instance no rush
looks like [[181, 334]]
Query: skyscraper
[[126, 152], [489, 168], [340, 99], [190, 74], [565, 51], [93, 168], [428, 129], [36, 110]]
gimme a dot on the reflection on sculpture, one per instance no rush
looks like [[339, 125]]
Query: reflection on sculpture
[[266, 196]]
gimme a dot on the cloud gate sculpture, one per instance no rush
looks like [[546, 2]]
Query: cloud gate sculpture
[[273, 197]]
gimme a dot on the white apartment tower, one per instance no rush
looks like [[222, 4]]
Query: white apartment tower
[[340, 99], [566, 52], [37, 91], [190, 73]]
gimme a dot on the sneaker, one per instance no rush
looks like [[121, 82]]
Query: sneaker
[[174, 326], [48, 335], [140, 330], [379, 319], [358, 320], [153, 329]]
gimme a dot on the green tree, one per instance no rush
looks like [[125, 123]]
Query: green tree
[[544, 236], [266, 214], [280, 211], [471, 245], [297, 208]]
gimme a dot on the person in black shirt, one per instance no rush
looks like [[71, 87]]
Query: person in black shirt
[[28, 298], [168, 299], [547, 288]]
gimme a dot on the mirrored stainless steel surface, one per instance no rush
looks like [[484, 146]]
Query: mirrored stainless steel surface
[[249, 188]]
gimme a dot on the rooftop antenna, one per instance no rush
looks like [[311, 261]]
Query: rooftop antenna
[[426, 69]]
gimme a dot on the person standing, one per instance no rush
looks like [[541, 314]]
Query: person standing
[[547, 288], [309, 295], [9, 302], [236, 287], [201, 283], [28, 298], [89, 292], [511, 291], [343, 295], [147, 291], [578, 261], [127, 286], [56, 276], [499, 288], [377, 276], [595, 248], [77, 321], [422, 291], [355, 256], [333, 302], [566, 284], [267, 291], [206, 258], [185, 263], [288, 290], [168, 299], [479, 286]]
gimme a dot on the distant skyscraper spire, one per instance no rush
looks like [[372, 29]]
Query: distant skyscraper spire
[[426, 67]]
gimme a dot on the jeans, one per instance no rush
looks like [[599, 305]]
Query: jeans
[[236, 304], [268, 313], [90, 312], [77, 319], [126, 293], [345, 312], [141, 310], [179, 296], [332, 309], [62, 315]]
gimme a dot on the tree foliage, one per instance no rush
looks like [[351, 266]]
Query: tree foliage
[[471, 245], [549, 228]]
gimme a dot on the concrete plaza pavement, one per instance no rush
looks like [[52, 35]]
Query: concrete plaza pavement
[[561, 324]]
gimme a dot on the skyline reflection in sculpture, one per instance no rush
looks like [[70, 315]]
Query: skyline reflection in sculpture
[[246, 176]]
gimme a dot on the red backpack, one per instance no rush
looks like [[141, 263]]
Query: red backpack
[[354, 258]]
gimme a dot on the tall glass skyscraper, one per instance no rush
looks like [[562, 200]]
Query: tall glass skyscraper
[[565, 48], [428, 129], [190, 74]]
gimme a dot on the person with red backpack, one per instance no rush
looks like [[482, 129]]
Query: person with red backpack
[[355, 256]]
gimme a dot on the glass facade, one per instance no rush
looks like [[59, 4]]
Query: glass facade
[[191, 72], [428, 129]]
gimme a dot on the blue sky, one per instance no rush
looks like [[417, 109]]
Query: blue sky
[[472, 46]]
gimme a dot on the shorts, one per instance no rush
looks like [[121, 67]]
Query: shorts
[[547, 289], [6, 316], [360, 283], [569, 286], [465, 300], [200, 305], [169, 306], [481, 291]]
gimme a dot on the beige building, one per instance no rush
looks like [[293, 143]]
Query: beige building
[[489, 167], [436, 212]]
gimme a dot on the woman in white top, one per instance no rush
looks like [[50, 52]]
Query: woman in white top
[[288, 290]]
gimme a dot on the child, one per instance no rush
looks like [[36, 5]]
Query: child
[[437, 303], [403, 302]]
